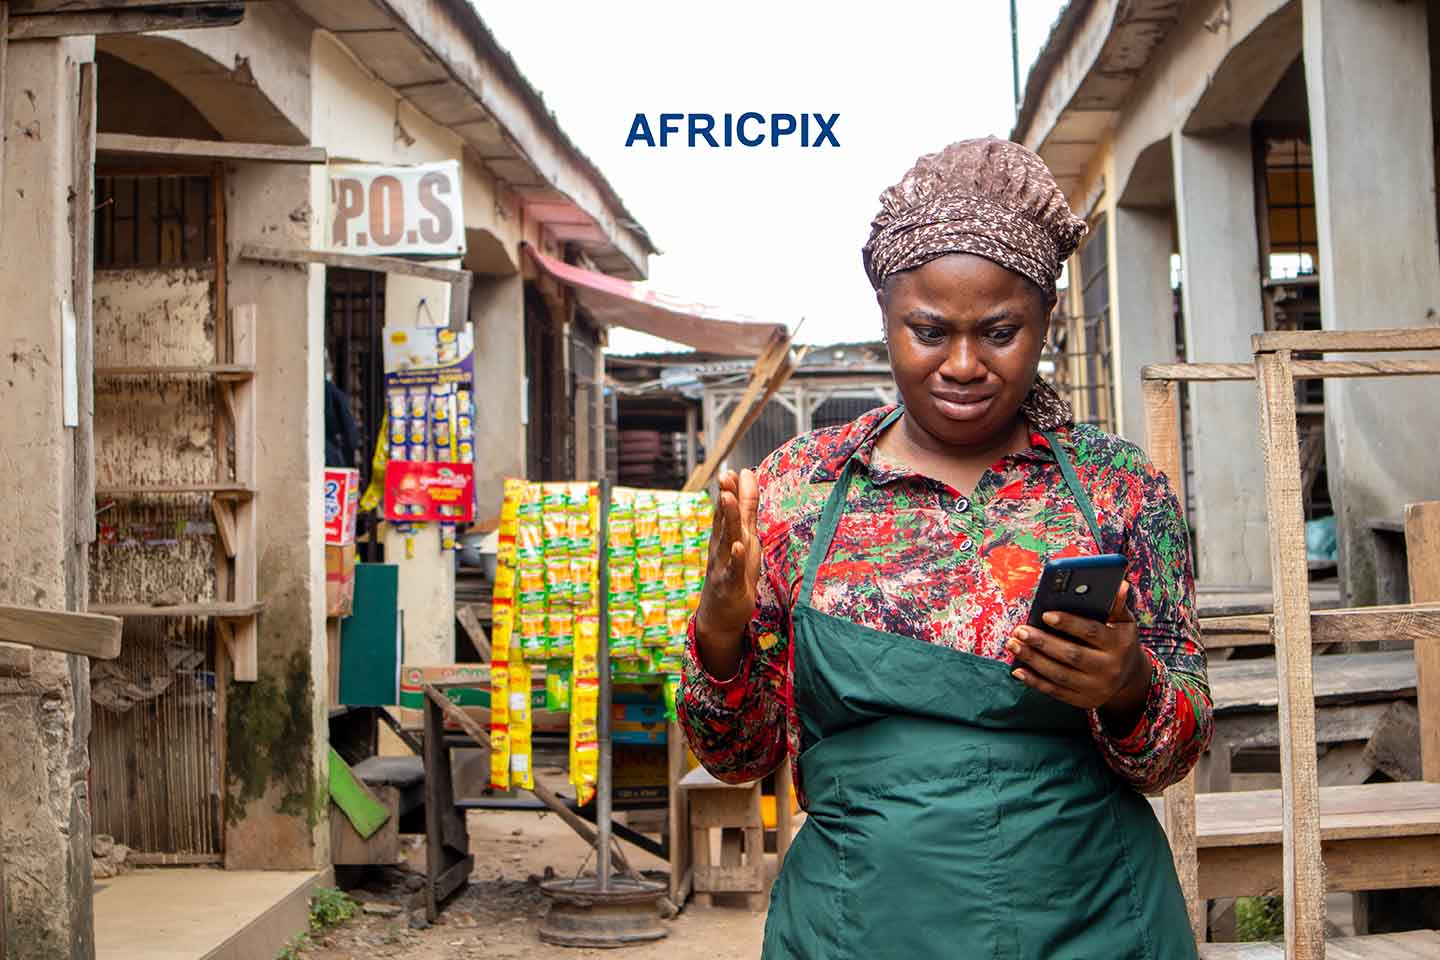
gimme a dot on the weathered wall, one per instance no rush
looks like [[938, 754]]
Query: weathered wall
[[44, 717], [277, 725], [1379, 261]]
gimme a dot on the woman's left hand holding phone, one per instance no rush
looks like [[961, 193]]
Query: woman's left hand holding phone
[[1086, 663]]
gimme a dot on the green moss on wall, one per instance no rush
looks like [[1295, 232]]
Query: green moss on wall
[[269, 727]]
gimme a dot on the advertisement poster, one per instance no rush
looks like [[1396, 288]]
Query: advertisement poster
[[429, 490], [389, 211]]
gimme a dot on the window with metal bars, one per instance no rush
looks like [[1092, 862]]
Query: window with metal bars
[[154, 221]]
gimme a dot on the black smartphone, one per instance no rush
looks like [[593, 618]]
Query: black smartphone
[[1084, 586]]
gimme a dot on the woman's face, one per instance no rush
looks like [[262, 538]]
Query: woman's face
[[965, 337]]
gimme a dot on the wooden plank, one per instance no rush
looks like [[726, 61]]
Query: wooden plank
[[225, 610], [352, 261], [771, 370], [220, 371], [1301, 370], [49, 26], [1376, 863], [1415, 945], [1395, 747], [470, 620], [86, 634], [729, 878], [1304, 880], [1249, 731], [784, 816], [679, 837], [1422, 550], [1348, 341], [142, 858], [725, 808], [224, 513], [131, 145], [24, 8], [231, 490], [1163, 444], [1413, 622], [1249, 686], [82, 280]]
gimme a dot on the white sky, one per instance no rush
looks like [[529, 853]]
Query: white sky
[[770, 232]]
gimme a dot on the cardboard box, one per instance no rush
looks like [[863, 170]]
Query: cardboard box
[[342, 504], [340, 580]]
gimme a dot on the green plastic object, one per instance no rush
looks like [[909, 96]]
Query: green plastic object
[[365, 813]]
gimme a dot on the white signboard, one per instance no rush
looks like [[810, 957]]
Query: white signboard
[[394, 210]]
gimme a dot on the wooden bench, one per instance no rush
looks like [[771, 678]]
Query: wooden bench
[[734, 810], [1417, 945], [1309, 839]]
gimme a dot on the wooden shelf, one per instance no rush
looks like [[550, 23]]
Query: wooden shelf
[[224, 611], [235, 491], [220, 371]]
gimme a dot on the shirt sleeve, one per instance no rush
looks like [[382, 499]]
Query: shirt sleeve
[[736, 725], [1176, 724]]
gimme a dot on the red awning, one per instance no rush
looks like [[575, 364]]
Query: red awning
[[621, 303]]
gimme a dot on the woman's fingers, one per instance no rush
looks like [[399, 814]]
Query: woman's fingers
[[1034, 681], [748, 499], [1062, 663], [1120, 610]]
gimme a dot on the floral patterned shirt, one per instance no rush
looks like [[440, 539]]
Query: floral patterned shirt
[[902, 562]]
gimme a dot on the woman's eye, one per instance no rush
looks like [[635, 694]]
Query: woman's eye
[[1002, 336], [929, 334]]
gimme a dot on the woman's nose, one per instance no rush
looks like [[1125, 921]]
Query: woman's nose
[[962, 362]]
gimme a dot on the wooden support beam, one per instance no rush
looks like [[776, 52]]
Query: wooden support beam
[[459, 280], [87, 634], [22, 8], [1303, 885], [1301, 369], [1422, 552], [1349, 625], [224, 512], [1348, 341], [130, 145], [470, 620], [50, 26], [464, 721], [772, 369], [1162, 441], [239, 637]]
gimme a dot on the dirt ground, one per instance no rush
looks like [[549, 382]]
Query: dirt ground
[[496, 916]]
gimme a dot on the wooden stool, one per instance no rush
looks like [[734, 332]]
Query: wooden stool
[[734, 810]]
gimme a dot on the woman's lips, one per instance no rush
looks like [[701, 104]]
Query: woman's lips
[[961, 406]]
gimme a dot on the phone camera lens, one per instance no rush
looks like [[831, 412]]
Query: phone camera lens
[[1082, 588]]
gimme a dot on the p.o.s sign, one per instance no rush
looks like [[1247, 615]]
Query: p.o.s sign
[[391, 210]]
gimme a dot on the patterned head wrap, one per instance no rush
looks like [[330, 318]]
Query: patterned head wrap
[[987, 197]]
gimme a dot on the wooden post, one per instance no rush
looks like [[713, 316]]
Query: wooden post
[[1422, 550], [1162, 438], [1303, 881]]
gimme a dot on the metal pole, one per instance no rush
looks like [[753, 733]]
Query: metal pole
[[602, 787], [1015, 54]]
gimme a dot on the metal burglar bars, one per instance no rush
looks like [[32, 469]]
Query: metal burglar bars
[[1375, 836]]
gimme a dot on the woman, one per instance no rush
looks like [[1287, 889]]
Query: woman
[[973, 786]]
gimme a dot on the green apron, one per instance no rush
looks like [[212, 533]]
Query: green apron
[[955, 812]]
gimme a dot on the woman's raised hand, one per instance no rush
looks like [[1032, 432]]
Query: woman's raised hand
[[727, 601]]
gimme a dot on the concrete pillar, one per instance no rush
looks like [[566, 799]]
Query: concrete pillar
[[1142, 308], [45, 705], [1367, 69], [497, 309], [1220, 289], [277, 726]]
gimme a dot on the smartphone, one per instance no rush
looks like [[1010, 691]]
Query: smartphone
[[1084, 586]]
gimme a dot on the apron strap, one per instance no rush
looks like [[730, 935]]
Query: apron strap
[[1073, 482], [830, 517]]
